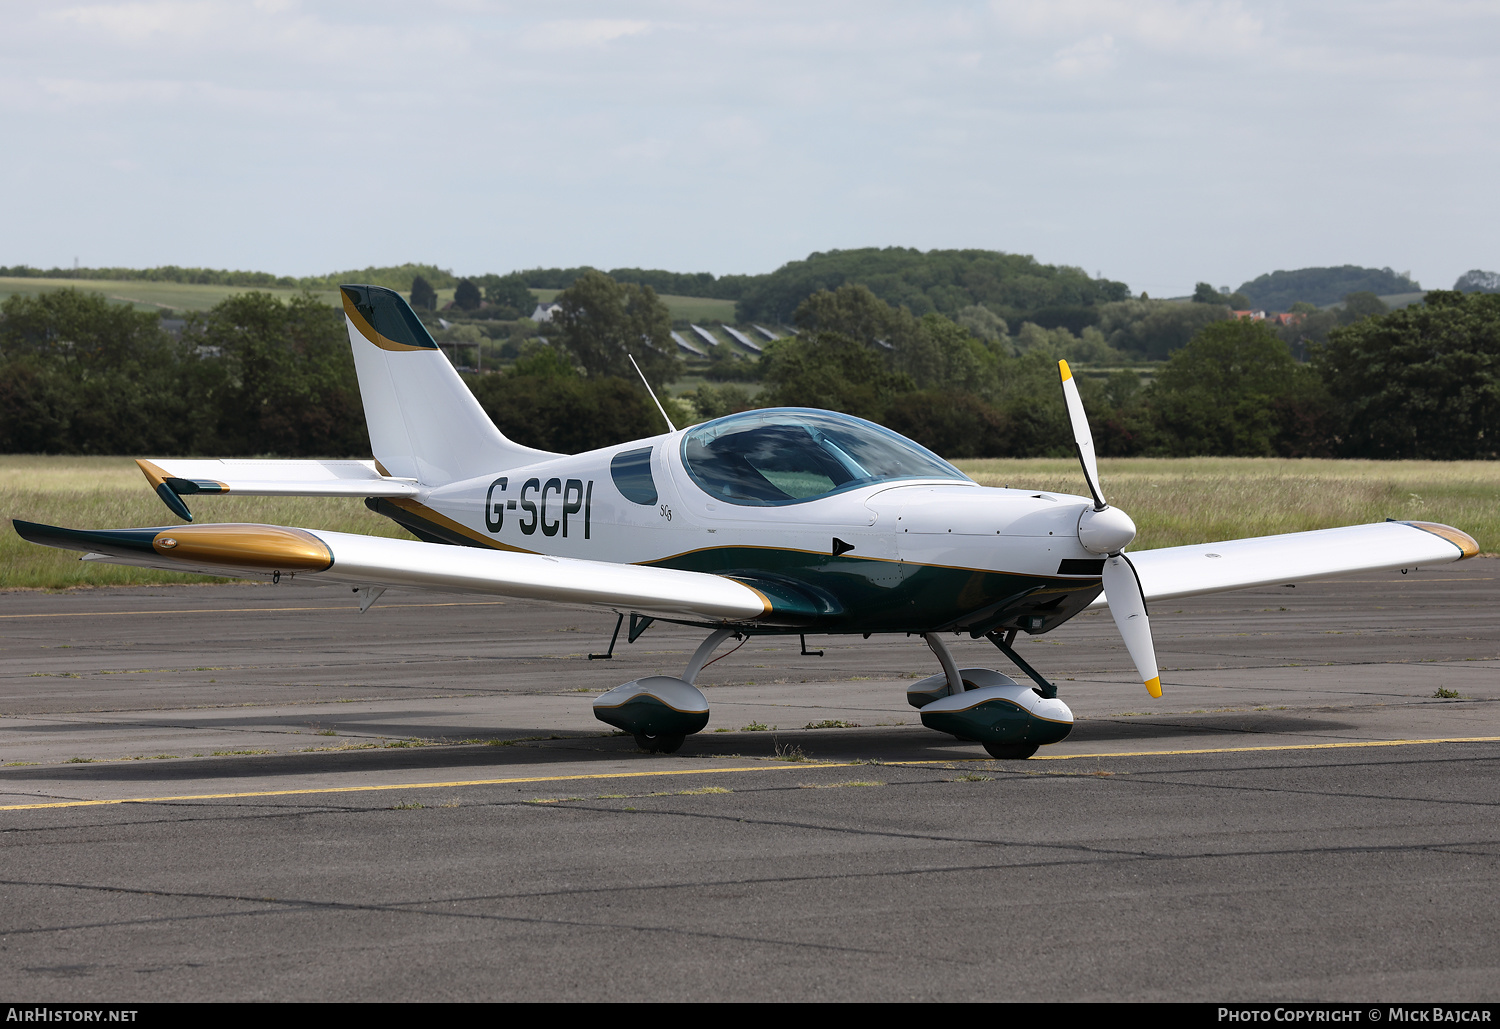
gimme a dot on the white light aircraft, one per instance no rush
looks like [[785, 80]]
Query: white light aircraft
[[783, 521]]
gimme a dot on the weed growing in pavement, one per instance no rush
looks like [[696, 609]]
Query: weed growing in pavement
[[837, 785], [790, 752]]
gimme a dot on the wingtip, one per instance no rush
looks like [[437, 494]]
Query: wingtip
[[1153, 687], [1466, 544], [154, 473], [1066, 372]]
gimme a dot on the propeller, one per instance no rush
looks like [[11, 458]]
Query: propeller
[[1108, 530]]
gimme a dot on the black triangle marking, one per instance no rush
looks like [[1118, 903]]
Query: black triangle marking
[[840, 547]]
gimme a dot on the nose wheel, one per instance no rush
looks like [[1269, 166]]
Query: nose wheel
[[1010, 751], [983, 706]]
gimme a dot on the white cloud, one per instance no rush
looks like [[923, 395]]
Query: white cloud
[[581, 33], [736, 133], [1086, 57], [1190, 26], [136, 23]]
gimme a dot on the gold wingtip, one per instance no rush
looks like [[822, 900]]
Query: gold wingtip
[[1153, 687], [1067, 373], [1466, 544], [155, 474]]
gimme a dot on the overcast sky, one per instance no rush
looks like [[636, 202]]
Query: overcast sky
[[1153, 141]]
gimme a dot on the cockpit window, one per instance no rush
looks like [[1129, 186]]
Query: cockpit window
[[631, 471], [790, 455]]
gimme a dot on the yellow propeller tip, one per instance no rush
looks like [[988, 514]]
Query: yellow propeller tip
[[1067, 373], [1153, 687]]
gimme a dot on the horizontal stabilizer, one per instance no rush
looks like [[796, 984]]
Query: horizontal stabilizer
[[276, 478], [1173, 572], [174, 478]]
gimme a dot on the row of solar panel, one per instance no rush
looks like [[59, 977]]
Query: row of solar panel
[[707, 338]]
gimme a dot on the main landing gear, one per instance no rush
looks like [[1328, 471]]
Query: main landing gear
[[981, 705], [988, 707], [658, 710]]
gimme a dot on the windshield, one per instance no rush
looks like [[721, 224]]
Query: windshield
[[789, 455]]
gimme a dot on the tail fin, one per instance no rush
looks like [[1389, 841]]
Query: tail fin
[[424, 423]]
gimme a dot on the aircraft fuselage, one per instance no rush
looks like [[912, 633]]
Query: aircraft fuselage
[[905, 555]]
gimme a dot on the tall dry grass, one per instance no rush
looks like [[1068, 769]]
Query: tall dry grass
[[111, 493], [1189, 500]]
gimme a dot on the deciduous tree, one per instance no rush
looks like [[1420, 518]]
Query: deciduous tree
[[1220, 393], [601, 322], [1420, 382], [423, 296], [466, 296]]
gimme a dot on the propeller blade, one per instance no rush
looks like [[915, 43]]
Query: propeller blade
[[1122, 589], [1083, 439]]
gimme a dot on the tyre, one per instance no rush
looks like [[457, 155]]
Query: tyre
[[662, 743], [1008, 751]]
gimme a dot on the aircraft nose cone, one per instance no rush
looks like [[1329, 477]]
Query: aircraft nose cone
[[1105, 532]]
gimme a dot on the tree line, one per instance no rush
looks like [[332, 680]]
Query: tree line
[[1279, 290], [393, 277], [1420, 382], [257, 375]]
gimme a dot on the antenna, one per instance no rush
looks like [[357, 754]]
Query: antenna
[[649, 390]]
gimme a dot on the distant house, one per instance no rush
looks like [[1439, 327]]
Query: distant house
[[543, 312], [1254, 316], [1288, 318]]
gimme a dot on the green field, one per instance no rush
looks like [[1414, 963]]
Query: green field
[[1174, 502], [111, 492], [156, 296], [1395, 300], [152, 296], [684, 309]]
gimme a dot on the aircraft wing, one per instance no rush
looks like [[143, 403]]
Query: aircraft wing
[[319, 557], [1173, 572], [174, 478]]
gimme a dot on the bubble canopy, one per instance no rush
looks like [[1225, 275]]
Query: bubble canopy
[[791, 455]]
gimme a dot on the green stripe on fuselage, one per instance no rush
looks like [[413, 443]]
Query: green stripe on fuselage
[[870, 595]]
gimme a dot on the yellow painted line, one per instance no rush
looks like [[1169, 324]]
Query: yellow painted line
[[788, 767], [243, 610], [1248, 750], [425, 785]]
